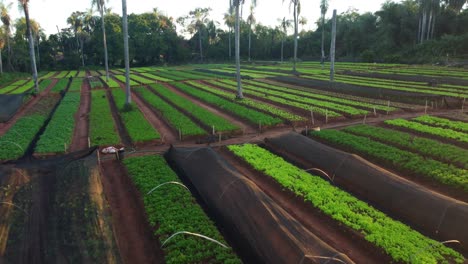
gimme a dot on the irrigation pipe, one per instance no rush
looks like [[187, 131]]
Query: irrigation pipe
[[11, 142], [194, 234], [162, 184], [321, 171]]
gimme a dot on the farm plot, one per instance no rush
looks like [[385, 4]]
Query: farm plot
[[230, 106], [443, 122], [398, 159], [178, 121], [137, 126], [155, 77], [61, 85], [102, 129], [122, 79], [59, 131], [263, 107], [16, 142], [395, 238], [205, 117], [316, 106], [186, 214]]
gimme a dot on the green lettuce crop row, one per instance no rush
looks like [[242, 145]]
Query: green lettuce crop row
[[138, 127], [81, 74], [47, 76], [206, 117], [15, 142], [96, 83], [155, 77], [175, 118], [173, 209], [102, 129], [278, 99], [398, 240], [111, 83], [435, 131], [442, 122], [400, 160], [61, 74], [59, 131], [231, 106], [251, 103], [75, 85], [60, 86], [122, 79], [141, 80], [323, 97], [268, 93], [427, 147]]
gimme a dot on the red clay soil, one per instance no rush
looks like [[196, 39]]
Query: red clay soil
[[4, 127], [342, 239], [244, 126], [80, 136], [134, 236], [166, 132]]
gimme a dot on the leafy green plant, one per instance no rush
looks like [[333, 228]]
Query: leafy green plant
[[399, 241], [172, 208], [102, 130], [443, 122]]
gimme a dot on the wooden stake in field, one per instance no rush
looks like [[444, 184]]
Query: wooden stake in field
[[463, 104], [365, 117], [89, 142], [375, 112], [388, 107], [332, 48], [425, 108], [326, 116], [213, 130], [312, 116], [180, 135]]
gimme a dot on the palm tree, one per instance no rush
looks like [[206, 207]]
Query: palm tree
[[24, 4], [323, 11], [101, 6], [303, 21], [251, 21], [6, 20], [2, 45], [230, 20], [284, 25], [128, 98], [198, 20], [296, 4]]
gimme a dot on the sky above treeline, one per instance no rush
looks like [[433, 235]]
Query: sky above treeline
[[53, 13]]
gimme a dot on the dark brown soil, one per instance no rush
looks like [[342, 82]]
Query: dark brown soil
[[168, 135], [339, 237], [134, 236], [123, 133], [80, 136]]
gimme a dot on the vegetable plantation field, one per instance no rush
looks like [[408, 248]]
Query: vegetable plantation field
[[369, 168]]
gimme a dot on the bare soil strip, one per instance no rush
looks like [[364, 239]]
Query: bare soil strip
[[80, 136], [134, 236]]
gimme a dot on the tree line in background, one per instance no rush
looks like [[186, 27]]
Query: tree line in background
[[411, 31]]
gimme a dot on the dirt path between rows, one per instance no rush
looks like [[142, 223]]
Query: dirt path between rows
[[342, 239], [244, 126], [4, 127], [134, 236], [167, 134], [80, 136]]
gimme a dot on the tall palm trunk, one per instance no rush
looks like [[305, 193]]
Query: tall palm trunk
[[429, 24], [295, 36], [423, 31], [282, 49], [239, 82], [31, 47], [106, 59], [250, 40], [128, 98], [1, 63], [82, 53], [230, 49], [9, 65], [323, 40], [38, 54], [200, 43]]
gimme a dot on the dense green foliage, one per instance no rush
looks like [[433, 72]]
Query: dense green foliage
[[59, 132], [138, 127], [15, 142], [60, 85], [398, 240], [398, 159], [231, 106], [204, 116], [427, 147], [172, 209], [102, 130], [430, 130], [443, 122], [175, 118]]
